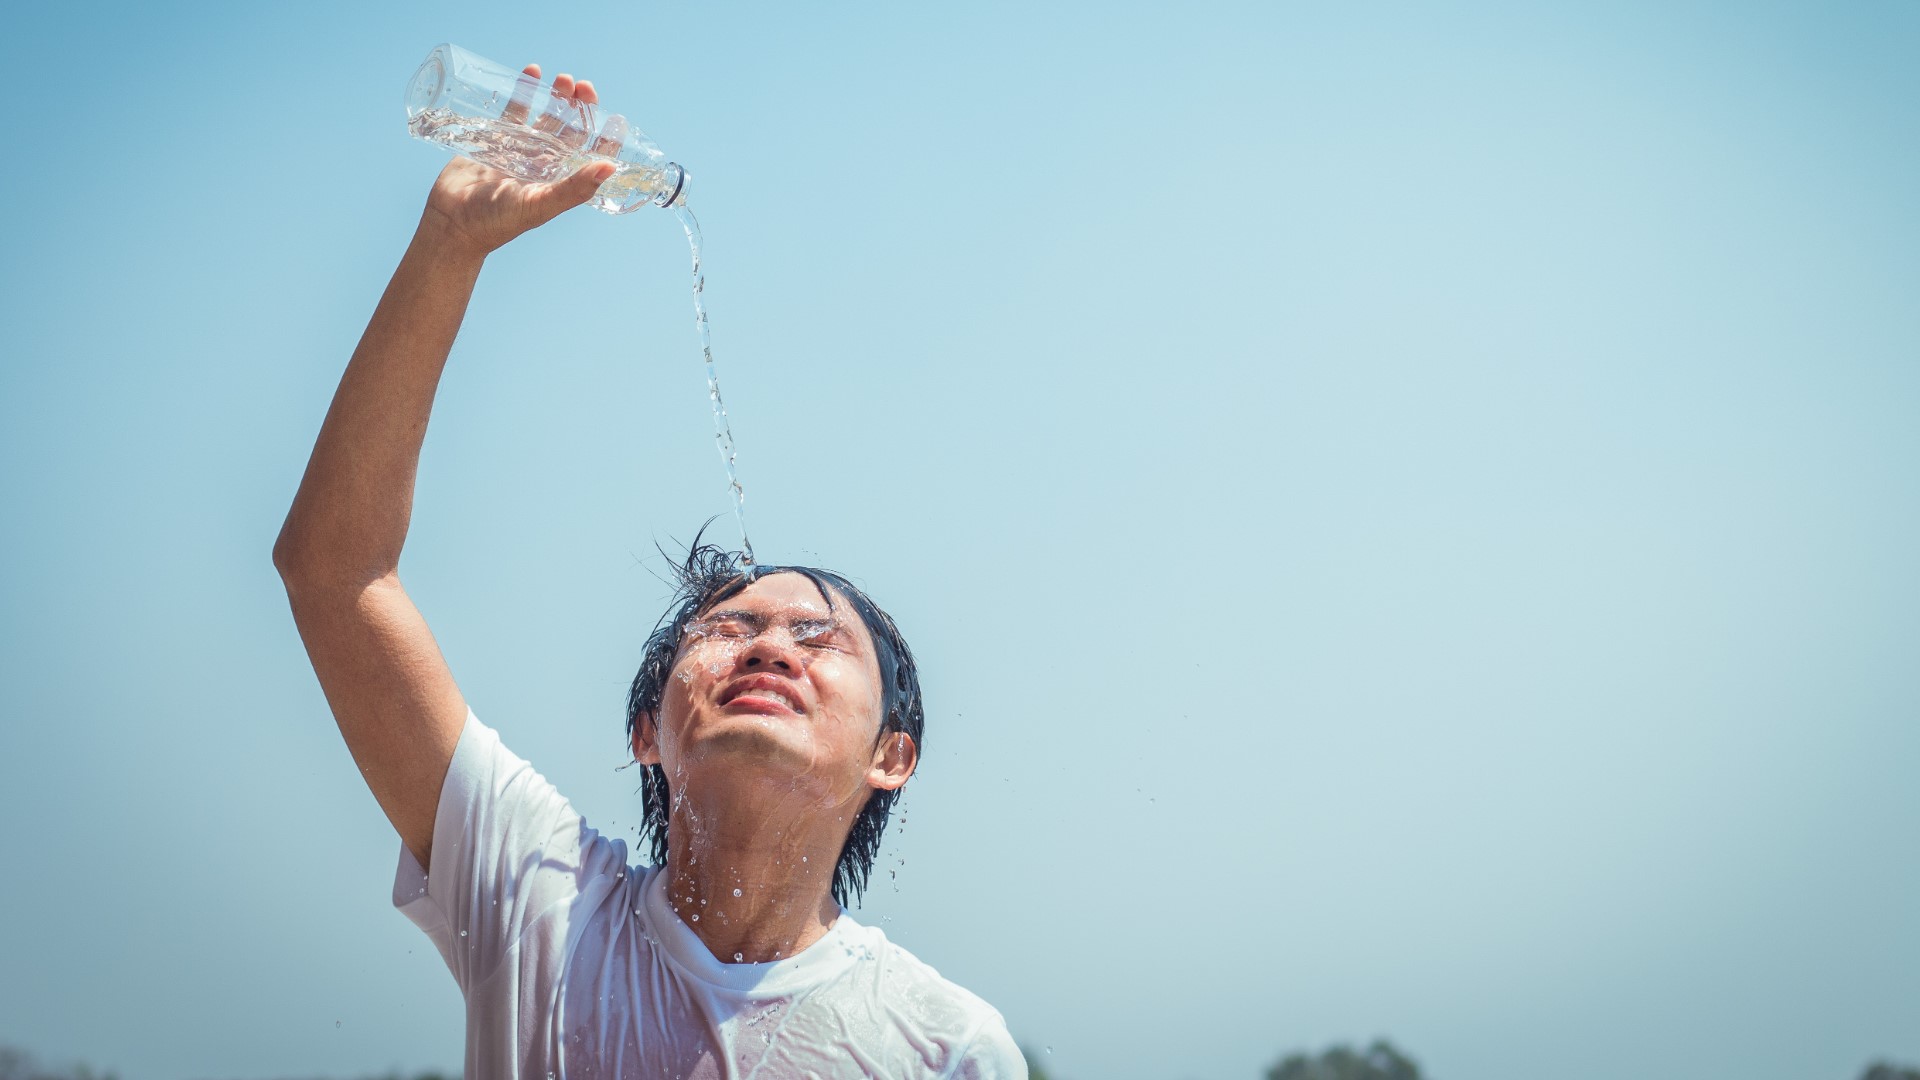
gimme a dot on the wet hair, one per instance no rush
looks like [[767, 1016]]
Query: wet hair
[[712, 574]]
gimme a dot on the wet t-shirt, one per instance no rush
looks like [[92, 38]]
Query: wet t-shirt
[[575, 966]]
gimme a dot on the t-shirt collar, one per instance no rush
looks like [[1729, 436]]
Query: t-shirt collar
[[816, 964]]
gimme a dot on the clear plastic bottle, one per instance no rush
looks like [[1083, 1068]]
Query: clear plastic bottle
[[515, 123]]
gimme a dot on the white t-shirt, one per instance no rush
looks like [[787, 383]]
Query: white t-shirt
[[575, 967]]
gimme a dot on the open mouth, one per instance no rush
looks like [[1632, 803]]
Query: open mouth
[[761, 693]]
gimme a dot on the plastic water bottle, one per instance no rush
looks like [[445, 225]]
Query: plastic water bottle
[[517, 124]]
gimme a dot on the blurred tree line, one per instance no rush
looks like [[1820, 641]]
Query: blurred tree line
[[1342, 1062], [17, 1064], [1379, 1061], [1382, 1061]]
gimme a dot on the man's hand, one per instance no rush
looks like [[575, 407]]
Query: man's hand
[[478, 208]]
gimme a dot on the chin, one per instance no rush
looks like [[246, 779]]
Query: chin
[[758, 741]]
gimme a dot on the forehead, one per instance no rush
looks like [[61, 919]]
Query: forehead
[[780, 592]]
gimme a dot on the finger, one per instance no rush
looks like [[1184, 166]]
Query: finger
[[611, 138], [563, 195], [522, 100], [559, 110], [605, 144]]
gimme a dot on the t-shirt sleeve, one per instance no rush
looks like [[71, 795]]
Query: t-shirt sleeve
[[507, 849], [991, 1055]]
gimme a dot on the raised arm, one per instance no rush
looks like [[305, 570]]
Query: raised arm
[[339, 551]]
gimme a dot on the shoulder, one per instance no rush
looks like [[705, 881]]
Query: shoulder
[[974, 1029], [908, 972]]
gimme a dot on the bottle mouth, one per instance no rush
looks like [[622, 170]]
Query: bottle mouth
[[679, 182]]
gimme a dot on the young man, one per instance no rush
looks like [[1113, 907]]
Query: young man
[[777, 714]]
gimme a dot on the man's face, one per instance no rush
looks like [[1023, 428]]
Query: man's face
[[770, 684]]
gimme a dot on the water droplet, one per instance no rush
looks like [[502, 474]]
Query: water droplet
[[803, 858], [1049, 1049], [463, 933], [736, 892], [696, 916], [336, 1023], [736, 957]]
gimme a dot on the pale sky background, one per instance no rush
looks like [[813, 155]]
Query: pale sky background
[[1408, 512]]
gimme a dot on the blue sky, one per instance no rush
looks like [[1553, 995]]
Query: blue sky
[[1406, 512]]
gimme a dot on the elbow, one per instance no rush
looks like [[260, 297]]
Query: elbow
[[290, 556], [302, 564], [284, 556], [297, 560]]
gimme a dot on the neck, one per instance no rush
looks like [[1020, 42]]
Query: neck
[[754, 883]]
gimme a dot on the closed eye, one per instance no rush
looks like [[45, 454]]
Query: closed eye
[[819, 635], [723, 626]]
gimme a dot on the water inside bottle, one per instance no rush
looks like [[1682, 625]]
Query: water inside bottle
[[515, 149], [527, 154]]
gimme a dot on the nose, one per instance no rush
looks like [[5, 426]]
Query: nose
[[772, 648]]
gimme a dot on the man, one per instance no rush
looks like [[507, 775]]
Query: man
[[777, 714]]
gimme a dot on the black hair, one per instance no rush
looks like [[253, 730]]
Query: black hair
[[711, 574]]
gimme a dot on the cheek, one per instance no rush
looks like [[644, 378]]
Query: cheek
[[694, 670], [705, 658], [857, 702]]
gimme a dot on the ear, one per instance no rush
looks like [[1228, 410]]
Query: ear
[[646, 743], [893, 761]]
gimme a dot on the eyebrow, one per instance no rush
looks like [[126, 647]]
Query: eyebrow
[[751, 618]]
